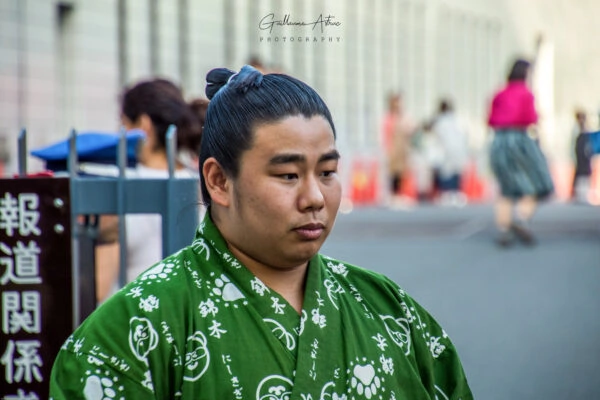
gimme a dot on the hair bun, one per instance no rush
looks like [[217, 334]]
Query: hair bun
[[216, 79], [245, 79], [242, 81]]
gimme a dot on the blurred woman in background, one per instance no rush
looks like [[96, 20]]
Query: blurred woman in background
[[397, 131], [151, 106], [517, 161]]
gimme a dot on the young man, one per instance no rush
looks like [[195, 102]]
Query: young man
[[251, 310]]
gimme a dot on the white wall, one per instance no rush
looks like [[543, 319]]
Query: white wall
[[69, 76]]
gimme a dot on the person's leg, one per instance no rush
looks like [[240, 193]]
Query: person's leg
[[526, 207], [396, 184], [503, 212], [444, 193], [398, 200], [458, 197]]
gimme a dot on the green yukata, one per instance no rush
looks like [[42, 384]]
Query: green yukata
[[200, 326]]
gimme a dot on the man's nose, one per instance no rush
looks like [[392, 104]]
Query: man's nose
[[312, 194]]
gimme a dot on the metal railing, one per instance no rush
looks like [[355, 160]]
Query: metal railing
[[175, 199]]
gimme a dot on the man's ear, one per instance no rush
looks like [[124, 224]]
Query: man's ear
[[217, 182]]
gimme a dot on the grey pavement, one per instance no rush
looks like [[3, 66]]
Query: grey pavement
[[525, 320]]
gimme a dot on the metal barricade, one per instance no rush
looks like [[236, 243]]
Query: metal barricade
[[174, 199]]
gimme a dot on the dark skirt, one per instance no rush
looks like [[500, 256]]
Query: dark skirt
[[519, 165]]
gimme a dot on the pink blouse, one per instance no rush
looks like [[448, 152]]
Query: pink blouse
[[513, 107]]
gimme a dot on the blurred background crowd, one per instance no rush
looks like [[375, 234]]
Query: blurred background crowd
[[63, 65]]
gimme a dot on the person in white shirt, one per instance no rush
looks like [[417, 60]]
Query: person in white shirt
[[150, 106], [454, 154]]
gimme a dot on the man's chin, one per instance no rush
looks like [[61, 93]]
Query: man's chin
[[309, 252]]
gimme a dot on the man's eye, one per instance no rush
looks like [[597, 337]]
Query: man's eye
[[288, 177], [328, 174]]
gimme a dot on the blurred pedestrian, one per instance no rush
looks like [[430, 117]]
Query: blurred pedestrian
[[191, 159], [256, 62], [425, 159], [452, 141], [583, 152], [4, 154], [517, 161], [397, 130], [151, 106]]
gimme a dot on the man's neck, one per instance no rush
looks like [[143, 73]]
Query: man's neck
[[290, 284], [158, 160], [287, 282], [155, 160]]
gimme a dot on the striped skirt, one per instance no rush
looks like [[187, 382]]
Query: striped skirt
[[519, 165]]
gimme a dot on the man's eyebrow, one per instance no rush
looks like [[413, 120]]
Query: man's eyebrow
[[291, 158], [332, 155], [286, 159]]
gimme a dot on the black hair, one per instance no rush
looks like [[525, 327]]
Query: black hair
[[241, 102], [199, 107], [163, 102], [519, 70], [445, 106]]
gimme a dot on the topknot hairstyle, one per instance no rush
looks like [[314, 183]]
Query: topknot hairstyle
[[247, 78], [239, 102]]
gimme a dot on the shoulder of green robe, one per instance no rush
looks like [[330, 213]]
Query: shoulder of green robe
[[430, 343], [360, 277], [148, 307], [170, 281], [374, 284], [154, 295]]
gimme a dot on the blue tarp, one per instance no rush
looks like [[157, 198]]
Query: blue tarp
[[96, 147], [595, 139]]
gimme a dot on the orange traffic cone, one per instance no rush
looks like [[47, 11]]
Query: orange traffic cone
[[373, 181], [472, 185], [562, 177], [364, 182], [408, 188]]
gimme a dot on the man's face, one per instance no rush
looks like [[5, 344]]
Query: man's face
[[287, 194]]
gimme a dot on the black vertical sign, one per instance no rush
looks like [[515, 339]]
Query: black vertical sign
[[35, 282]]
